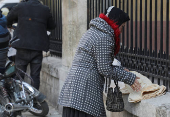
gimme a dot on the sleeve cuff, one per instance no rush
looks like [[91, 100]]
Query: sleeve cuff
[[131, 79]]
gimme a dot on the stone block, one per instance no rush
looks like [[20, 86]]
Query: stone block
[[55, 83], [163, 110]]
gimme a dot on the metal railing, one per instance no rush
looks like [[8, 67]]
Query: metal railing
[[56, 36], [145, 38]]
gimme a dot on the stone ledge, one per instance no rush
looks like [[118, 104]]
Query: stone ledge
[[155, 107], [51, 65]]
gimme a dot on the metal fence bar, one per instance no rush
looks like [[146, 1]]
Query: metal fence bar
[[167, 29], [53, 4], [90, 13], [93, 10], [136, 27], [123, 32], [105, 5], [116, 3], [131, 49], [99, 7], [58, 35], [111, 2], [120, 4], [101, 2], [127, 28], [88, 18], [150, 28], [60, 19], [96, 8], [161, 36], [155, 28], [140, 26], [145, 43]]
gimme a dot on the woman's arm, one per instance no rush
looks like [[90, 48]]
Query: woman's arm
[[104, 49]]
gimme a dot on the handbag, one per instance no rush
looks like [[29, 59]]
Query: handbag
[[114, 101]]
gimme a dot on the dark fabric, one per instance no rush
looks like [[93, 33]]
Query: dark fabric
[[12, 58], [4, 44], [34, 19], [1, 14], [4, 35], [3, 50], [34, 58], [2, 70], [3, 26], [70, 112], [118, 16]]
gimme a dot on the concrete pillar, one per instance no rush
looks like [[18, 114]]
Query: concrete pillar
[[74, 22]]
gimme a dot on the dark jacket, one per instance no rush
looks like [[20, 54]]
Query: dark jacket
[[4, 40], [83, 88], [34, 19], [3, 26]]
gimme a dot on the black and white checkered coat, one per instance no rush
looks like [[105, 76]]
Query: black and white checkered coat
[[83, 88]]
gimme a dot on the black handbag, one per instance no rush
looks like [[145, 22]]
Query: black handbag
[[114, 101]]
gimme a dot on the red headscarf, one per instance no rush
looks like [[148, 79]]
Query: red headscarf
[[115, 27]]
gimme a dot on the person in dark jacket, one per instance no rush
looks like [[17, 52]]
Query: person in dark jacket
[[4, 41], [82, 92], [34, 19]]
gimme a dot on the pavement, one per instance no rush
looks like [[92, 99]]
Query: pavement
[[52, 113]]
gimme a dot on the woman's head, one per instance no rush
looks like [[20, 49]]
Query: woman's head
[[117, 15]]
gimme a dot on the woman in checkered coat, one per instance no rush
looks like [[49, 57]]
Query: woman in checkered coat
[[82, 92]]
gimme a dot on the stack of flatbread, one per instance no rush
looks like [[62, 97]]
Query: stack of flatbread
[[149, 90]]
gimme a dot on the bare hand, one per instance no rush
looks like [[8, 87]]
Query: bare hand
[[136, 86], [126, 70]]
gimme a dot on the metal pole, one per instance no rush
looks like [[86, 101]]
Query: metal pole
[[136, 29], [131, 26], [155, 28], [150, 27], [116, 3], [167, 29], [123, 32], [145, 27], [141, 26], [127, 28], [161, 36]]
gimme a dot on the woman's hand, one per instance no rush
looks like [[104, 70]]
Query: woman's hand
[[126, 70], [136, 86]]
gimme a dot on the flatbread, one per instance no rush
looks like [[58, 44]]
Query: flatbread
[[149, 90]]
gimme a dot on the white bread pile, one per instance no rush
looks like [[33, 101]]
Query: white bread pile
[[149, 90]]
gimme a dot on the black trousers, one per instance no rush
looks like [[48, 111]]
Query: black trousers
[[32, 57], [70, 112]]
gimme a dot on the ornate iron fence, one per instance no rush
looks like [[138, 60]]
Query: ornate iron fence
[[56, 35], [145, 38]]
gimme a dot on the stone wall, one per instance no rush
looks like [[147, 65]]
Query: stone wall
[[49, 85]]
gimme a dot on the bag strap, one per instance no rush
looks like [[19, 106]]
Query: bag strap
[[108, 84], [115, 81]]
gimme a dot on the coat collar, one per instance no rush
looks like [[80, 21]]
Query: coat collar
[[102, 25]]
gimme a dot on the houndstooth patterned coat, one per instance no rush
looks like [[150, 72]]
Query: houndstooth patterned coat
[[83, 88]]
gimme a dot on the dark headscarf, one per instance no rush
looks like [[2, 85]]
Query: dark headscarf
[[117, 15]]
